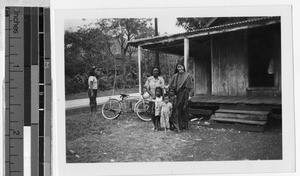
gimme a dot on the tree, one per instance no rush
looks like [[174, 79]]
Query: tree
[[191, 24], [86, 47], [124, 30], [104, 45]]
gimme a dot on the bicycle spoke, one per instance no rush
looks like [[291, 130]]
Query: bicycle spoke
[[111, 109], [143, 110]]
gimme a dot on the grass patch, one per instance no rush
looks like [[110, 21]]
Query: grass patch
[[128, 139], [102, 93]]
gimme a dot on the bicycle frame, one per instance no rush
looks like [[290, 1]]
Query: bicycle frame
[[125, 105], [124, 101], [140, 100]]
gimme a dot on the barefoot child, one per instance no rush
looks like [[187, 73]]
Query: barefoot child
[[158, 99], [166, 111]]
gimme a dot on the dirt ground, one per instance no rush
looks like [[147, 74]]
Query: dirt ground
[[128, 139]]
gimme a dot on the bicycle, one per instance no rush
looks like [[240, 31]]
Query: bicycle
[[113, 108]]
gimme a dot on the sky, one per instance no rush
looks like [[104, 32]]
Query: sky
[[166, 25]]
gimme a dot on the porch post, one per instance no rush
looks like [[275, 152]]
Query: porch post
[[186, 52], [140, 68]]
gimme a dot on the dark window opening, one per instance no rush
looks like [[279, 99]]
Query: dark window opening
[[262, 62]]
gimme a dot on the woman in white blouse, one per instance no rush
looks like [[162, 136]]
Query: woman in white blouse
[[151, 84]]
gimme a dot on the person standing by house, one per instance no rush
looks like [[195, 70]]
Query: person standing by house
[[92, 91], [166, 111], [157, 103], [151, 84], [173, 101], [182, 82]]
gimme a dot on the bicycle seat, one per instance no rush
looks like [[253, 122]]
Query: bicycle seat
[[124, 95]]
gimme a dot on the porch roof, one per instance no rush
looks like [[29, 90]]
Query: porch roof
[[173, 44]]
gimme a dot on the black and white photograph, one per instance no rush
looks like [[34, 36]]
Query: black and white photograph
[[209, 93], [154, 88], [173, 90]]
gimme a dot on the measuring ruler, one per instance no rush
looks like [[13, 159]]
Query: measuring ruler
[[14, 89], [27, 90]]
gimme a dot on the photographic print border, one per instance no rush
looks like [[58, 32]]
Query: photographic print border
[[61, 167]]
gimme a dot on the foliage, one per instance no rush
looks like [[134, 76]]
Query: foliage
[[191, 24], [104, 46], [76, 84]]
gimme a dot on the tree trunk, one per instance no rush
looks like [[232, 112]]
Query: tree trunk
[[124, 66], [156, 59], [129, 64]]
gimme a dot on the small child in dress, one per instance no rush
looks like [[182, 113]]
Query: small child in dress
[[166, 111], [158, 99], [172, 96], [173, 100]]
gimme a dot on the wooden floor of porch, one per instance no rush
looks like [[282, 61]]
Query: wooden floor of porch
[[247, 100], [249, 112]]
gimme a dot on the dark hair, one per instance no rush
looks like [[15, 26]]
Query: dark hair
[[159, 89], [156, 67], [171, 88], [92, 72], [179, 63]]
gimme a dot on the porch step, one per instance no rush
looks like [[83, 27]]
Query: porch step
[[195, 111], [242, 112], [241, 116], [252, 122]]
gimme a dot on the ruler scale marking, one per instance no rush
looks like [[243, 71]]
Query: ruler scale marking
[[7, 85], [41, 91], [28, 90], [16, 77]]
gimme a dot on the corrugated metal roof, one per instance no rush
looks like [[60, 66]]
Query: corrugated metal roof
[[207, 31]]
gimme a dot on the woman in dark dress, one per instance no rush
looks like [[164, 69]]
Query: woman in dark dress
[[182, 82]]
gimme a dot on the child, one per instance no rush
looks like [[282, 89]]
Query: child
[[92, 91], [158, 99], [172, 96], [166, 111], [173, 100]]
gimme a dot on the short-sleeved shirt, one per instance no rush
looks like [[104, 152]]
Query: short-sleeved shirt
[[152, 83], [166, 107], [158, 101], [93, 79]]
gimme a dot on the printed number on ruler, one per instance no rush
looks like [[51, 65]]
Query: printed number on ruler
[[14, 100]]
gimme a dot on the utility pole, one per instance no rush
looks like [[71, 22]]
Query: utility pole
[[156, 59]]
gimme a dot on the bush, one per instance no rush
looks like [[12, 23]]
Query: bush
[[104, 83], [76, 84], [79, 83]]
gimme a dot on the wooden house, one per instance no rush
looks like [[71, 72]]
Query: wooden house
[[237, 68]]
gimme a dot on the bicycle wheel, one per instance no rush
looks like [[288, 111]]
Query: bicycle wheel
[[111, 109], [142, 110]]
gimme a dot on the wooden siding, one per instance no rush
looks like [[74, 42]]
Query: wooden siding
[[229, 64], [202, 71]]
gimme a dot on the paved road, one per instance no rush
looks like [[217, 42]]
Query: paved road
[[80, 103]]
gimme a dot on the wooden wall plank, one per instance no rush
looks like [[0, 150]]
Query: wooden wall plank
[[230, 69], [202, 64]]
